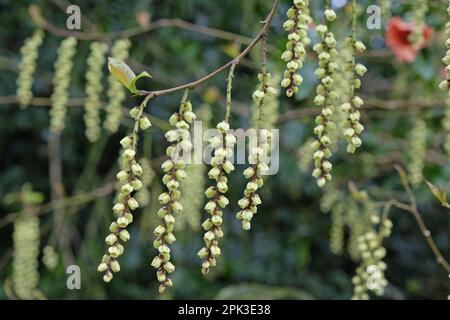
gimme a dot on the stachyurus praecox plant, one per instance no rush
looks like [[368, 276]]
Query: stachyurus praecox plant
[[186, 194], [223, 143]]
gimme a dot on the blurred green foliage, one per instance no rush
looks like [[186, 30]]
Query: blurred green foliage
[[286, 254]]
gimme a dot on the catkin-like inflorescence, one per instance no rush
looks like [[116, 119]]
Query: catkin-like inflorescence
[[420, 9], [94, 89], [179, 137], [193, 189], [304, 155], [143, 196], [337, 228], [417, 151], [271, 107], [116, 92], [129, 179], [352, 125], [297, 27], [27, 67], [446, 126], [385, 6], [223, 144], [248, 204], [445, 85], [26, 239], [61, 81], [326, 98], [50, 257], [370, 274]]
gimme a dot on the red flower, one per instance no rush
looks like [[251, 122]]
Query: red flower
[[397, 39]]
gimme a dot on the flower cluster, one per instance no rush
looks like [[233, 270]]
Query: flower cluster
[[271, 106], [61, 80], [370, 273], [446, 126], [445, 84], [420, 9], [385, 6], [26, 237], [94, 89], [223, 144], [352, 126], [305, 155], [179, 136], [326, 98], [254, 173], [27, 67], [129, 179], [116, 92], [193, 189], [337, 228], [417, 151], [357, 224], [143, 195], [297, 26], [50, 257]]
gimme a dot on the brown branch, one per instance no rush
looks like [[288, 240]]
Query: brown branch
[[370, 105], [236, 60], [412, 208], [78, 102], [63, 203], [37, 17]]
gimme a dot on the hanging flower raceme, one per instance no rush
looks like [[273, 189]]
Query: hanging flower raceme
[[193, 189], [417, 148], [261, 149], [61, 80], [352, 125], [130, 181], [297, 26], [445, 86], [94, 89], [420, 9], [26, 237], [370, 274], [179, 137], [223, 144], [326, 98], [27, 67]]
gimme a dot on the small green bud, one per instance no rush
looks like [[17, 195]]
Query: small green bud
[[122, 175], [124, 235], [132, 203], [169, 267], [111, 239], [102, 267], [156, 262], [107, 277], [115, 266], [118, 208], [144, 123], [126, 142]]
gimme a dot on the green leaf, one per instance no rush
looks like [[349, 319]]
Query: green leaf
[[132, 85], [121, 71], [440, 194]]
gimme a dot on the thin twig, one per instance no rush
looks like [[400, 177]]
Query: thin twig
[[413, 209], [63, 203], [37, 17], [236, 60]]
